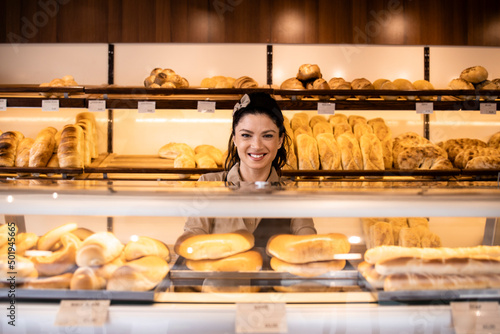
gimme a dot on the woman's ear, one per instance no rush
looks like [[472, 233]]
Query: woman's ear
[[281, 140]]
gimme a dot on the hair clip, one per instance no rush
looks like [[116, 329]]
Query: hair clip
[[245, 101]]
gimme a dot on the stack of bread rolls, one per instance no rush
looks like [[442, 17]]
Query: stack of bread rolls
[[307, 255], [308, 77], [80, 259], [184, 156], [474, 153], [165, 78], [399, 231], [65, 81], [412, 151], [473, 78], [396, 268]]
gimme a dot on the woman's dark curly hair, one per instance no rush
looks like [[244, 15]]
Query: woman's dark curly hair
[[254, 104]]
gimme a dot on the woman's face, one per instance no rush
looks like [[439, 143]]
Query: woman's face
[[257, 140]]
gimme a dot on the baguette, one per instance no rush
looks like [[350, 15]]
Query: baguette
[[246, 261], [447, 266], [307, 248], [329, 152], [43, 147], [23, 152], [139, 275], [400, 282], [382, 253], [371, 151], [70, 151], [310, 269], [214, 246], [307, 152], [145, 246], [98, 249], [351, 152], [9, 142]]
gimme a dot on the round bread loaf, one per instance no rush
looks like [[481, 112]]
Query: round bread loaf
[[212, 151], [245, 82], [309, 72], [173, 150], [474, 74], [361, 83], [494, 140], [321, 83], [245, 261], [214, 246], [424, 85], [388, 85], [307, 248], [404, 84]]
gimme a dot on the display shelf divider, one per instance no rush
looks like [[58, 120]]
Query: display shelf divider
[[427, 61]]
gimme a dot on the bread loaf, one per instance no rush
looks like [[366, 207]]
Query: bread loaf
[[384, 134], [71, 149], [60, 261], [25, 269], [388, 85], [204, 160], [339, 84], [355, 119], [307, 248], [54, 282], [214, 246], [404, 84], [185, 161], [9, 142], [371, 151], [212, 151], [448, 266], [397, 224], [337, 118], [88, 144], [322, 127], [341, 128], [382, 253], [245, 261], [145, 246], [23, 152], [93, 130], [321, 83], [173, 150], [360, 129], [139, 275], [98, 249], [381, 234], [459, 84], [24, 242], [361, 83], [308, 72], [329, 152], [42, 148], [494, 140], [307, 152], [484, 162], [49, 239], [351, 152], [311, 269], [424, 85], [474, 74], [406, 282], [245, 82], [299, 120], [85, 278], [292, 83]]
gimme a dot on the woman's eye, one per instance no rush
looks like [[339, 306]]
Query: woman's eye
[[245, 135], [268, 136]]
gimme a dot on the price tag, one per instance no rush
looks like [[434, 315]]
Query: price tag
[[326, 108], [206, 106], [476, 317], [97, 105], [3, 104], [146, 106], [261, 318], [425, 108], [82, 313], [50, 105], [488, 108]]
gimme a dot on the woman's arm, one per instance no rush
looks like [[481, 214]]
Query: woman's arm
[[302, 226]]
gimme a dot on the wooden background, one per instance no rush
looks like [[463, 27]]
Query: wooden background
[[393, 22]]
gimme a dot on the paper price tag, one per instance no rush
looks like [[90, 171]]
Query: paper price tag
[[325, 108], [97, 105], [3, 104], [206, 106], [82, 313], [425, 108], [476, 317], [261, 318], [488, 108], [50, 105], [146, 107]]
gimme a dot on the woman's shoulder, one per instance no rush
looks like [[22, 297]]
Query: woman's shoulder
[[217, 176]]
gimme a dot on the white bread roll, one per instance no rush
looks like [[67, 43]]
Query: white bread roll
[[474, 74], [7, 231], [85, 278], [145, 246], [377, 84], [361, 83], [98, 249], [307, 152], [321, 83], [24, 242], [212, 151], [388, 85], [49, 239], [60, 261], [310, 269], [355, 119], [329, 151], [424, 85], [214, 246], [245, 261], [139, 275], [173, 150], [404, 84], [204, 160], [307, 248], [316, 119], [185, 161]]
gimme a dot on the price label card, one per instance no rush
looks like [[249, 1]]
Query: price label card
[[3, 104], [82, 313], [97, 105], [325, 108], [146, 107], [425, 108], [488, 108], [50, 105], [476, 317], [261, 318], [206, 106]]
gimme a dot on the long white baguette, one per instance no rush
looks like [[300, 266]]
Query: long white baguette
[[399, 282]]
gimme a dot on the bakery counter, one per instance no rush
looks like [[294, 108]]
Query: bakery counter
[[172, 198], [222, 318]]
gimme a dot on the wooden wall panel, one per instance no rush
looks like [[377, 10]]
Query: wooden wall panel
[[395, 22]]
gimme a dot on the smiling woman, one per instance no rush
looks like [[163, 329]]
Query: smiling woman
[[256, 153]]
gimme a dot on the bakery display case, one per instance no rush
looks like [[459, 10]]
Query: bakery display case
[[129, 191]]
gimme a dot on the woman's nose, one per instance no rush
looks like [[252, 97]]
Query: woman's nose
[[256, 142]]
